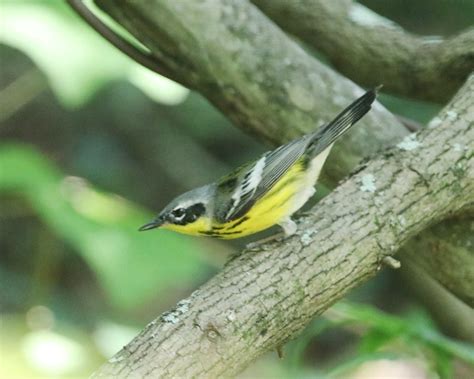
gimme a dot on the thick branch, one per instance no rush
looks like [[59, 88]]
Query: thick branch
[[251, 70], [371, 50], [262, 298]]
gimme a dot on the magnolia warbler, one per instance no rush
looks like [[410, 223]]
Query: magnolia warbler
[[262, 193]]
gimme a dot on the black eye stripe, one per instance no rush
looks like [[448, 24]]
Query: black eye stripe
[[178, 212], [182, 216]]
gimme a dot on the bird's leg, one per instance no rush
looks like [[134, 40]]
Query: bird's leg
[[289, 228]]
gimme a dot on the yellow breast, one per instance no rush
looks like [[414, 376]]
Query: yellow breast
[[272, 208], [196, 228], [268, 211]]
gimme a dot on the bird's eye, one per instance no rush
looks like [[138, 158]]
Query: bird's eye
[[178, 213]]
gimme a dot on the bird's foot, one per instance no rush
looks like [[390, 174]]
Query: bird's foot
[[278, 237], [289, 228]]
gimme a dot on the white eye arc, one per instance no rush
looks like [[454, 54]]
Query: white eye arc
[[178, 213]]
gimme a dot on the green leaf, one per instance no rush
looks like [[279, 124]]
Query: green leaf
[[133, 267], [372, 341]]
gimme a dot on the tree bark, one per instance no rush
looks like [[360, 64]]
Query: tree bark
[[262, 298], [371, 50]]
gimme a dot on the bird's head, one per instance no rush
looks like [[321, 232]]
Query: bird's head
[[189, 213]]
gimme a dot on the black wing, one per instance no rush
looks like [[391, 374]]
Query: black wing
[[256, 180], [343, 122]]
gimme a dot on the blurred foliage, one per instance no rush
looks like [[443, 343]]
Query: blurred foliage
[[86, 136], [382, 336], [68, 61], [101, 227]]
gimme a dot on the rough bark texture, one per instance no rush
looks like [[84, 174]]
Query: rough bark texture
[[262, 298], [371, 50]]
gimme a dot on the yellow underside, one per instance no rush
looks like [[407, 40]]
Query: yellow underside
[[268, 211]]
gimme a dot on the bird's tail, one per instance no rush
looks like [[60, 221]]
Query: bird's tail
[[343, 121]]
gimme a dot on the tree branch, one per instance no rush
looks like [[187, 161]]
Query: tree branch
[[262, 298], [371, 49], [143, 57], [253, 72]]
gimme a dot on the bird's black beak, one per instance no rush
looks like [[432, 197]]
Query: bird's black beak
[[156, 223]]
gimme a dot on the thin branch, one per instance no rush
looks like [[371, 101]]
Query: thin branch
[[452, 315], [261, 299], [20, 92], [447, 252], [145, 58], [371, 49]]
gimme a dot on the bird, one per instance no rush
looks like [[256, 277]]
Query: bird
[[264, 192]]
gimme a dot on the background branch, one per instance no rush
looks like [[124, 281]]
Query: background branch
[[451, 314], [447, 252], [139, 55], [370, 49], [262, 298], [254, 73]]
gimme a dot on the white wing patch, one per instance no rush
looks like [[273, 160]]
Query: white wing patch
[[248, 186]]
